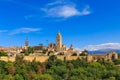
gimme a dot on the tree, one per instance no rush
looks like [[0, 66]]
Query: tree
[[74, 54], [74, 78], [51, 61], [79, 63], [11, 70], [3, 54], [60, 71], [59, 62], [52, 58], [30, 50], [42, 77], [56, 69], [30, 74], [117, 61], [111, 78], [18, 77], [19, 59], [39, 69], [8, 77], [2, 67], [44, 51], [70, 66], [84, 53], [119, 55]]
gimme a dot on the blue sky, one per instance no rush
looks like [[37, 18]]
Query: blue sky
[[81, 22]]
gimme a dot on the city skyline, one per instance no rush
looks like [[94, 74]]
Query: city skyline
[[81, 22]]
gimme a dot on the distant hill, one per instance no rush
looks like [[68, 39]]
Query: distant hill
[[104, 51]]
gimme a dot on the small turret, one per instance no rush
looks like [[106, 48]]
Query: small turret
[[71, 47]]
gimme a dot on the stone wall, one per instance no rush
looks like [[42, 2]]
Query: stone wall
[[40, 58], [89, 58]]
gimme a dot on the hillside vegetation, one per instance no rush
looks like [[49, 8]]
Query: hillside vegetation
[[56, 69]]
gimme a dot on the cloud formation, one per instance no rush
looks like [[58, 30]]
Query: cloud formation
[[64, 10], [24, 30], [103, 46], [56, 2], [56, 9], [2, 31]]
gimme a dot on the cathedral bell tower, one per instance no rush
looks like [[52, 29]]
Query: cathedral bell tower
[[26, 44], [59, 42]]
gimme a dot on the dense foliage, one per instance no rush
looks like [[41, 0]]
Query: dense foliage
[[56, 69], [3, 53], [28, 51]]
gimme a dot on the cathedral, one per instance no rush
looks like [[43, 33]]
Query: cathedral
[[58, 47]]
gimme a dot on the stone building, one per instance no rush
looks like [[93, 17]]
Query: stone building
[[39, 49], [51, 47], [25, 47], [58, 47], [71, 49], [26, 44], [59, 42], [2, 49], [110, 56]]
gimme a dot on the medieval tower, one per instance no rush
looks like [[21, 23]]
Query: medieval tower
[[26, 44], [59, 42]]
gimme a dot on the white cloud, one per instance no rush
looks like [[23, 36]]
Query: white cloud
[[24, 30], [86, 11], [2, 31], [103, 46], [64, 10], [56, 2], [60, 9], [78, 49]]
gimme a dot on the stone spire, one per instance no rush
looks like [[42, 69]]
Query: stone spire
[[27, 43], [59, 42], [71, 46]]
